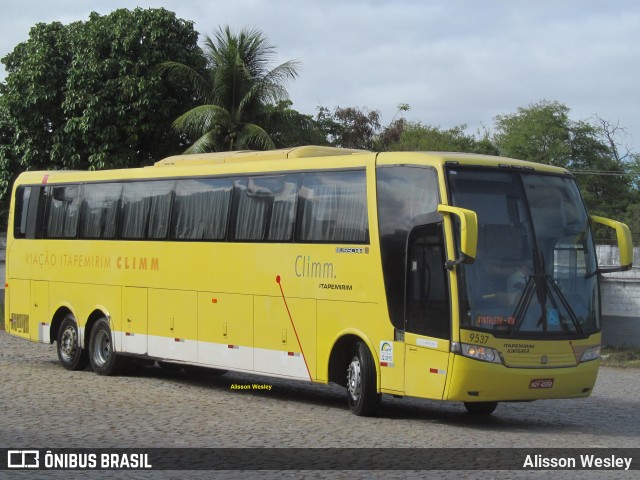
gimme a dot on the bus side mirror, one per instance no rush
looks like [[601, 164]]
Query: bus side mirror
[[625, 243], [468, 232]]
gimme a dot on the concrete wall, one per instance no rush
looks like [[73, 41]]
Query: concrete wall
[[620, 300]]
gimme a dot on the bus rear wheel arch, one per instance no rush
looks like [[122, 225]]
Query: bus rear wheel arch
[[70, 352], [102, 355]]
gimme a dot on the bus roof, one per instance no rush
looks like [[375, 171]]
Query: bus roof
[[433, 158], [255, 155], [239, 162]]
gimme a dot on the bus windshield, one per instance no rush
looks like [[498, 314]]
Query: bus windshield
[[535, 270]]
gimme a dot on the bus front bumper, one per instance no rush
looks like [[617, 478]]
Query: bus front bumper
[[477, 381]]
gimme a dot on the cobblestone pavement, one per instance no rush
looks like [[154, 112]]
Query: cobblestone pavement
[[46, 406]]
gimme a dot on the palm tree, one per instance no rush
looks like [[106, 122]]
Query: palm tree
[[235, 88]]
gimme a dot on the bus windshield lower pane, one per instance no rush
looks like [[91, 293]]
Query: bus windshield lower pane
[[535, 270]]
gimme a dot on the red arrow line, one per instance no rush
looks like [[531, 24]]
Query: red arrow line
[[304, 357]]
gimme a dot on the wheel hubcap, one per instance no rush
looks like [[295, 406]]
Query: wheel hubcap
[[354, 383], [102, 348], [68, 344]]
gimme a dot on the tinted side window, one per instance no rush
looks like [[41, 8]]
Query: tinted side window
[[284, 210], [145, 209], [100, 210], [407, 197], [62, 211], [201, 209], [334, 207], [21, 210], [265, 208]]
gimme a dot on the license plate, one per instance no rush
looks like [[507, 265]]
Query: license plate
[[541, 383]]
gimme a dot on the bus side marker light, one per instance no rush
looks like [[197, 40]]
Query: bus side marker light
[[435, 370], [234, 347]]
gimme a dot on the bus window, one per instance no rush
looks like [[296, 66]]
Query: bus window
[[100, 210], [265, 208], [63, 207], [334, 208], [22, 208], [284, 210], [145, 210], [251, 206], [407, 197], [201, 209]]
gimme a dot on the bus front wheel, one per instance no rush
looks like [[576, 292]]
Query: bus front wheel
[[480, 408], [361, 382], [70, 353], [102, 356]]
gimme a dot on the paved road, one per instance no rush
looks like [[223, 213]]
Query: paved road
[[45, 406]]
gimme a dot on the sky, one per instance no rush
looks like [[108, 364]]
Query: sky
[[453, 61]]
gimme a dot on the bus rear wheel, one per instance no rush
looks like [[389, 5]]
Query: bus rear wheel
[[70, 353], [362, 394], [480, 408], [102, 356]]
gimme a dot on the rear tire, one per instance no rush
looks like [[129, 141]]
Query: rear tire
[[102, 356], [70, 353], [480, 408], [362, 394]]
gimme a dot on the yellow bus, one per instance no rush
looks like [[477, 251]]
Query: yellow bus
[[433, 275]]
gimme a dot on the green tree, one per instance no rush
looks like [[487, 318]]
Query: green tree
[[234, 92], [349, 127], [88, 95], [538, 133], [402, 135], [116, 101], [289, 128], [30, 103], [544, 133]]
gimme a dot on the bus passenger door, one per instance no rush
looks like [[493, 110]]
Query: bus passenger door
[[134, 320], [427, 314]]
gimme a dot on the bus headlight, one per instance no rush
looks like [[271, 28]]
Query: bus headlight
[[479, 352], [591, 353]]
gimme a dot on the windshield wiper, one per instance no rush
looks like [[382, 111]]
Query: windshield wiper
[[547, 291], [523, 304], [552, 286]]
